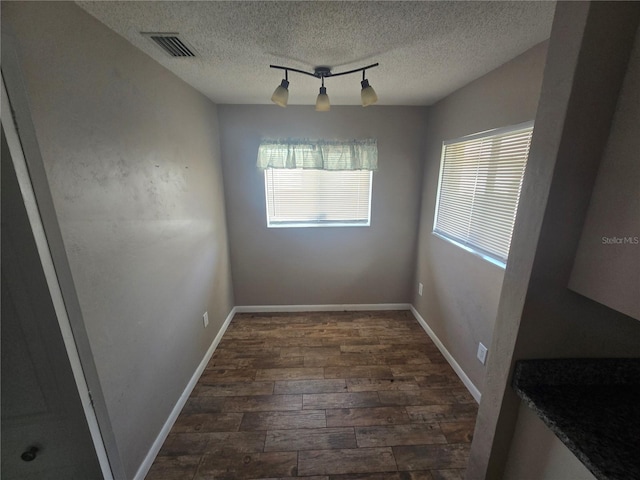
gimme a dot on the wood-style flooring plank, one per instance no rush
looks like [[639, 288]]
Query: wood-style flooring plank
[[412, 339], [333, 385], [310, 439], [357, 460], [178, 444], [255, 362], [181, 467], [290, 374], [426, 475], [203, 405], [462, 395], [442, 413], [458, 432], [432, 396], [437, 380], [241, 352], [310, 351], [315, 401], [226, 443], [452, 474], [213, 376], [392, 435], [431, 457], [362, 371], [343, 360], [283, 420], [369, 348], [207, 422], [314, 477], [362, 417], [262, 403], [417, 358], [380, 384], [234, 389], [247, 465], [421, 370]]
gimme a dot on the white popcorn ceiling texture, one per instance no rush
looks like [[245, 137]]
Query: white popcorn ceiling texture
[[426, 50]]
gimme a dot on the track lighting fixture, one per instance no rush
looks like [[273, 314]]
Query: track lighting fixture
[[281, 94]]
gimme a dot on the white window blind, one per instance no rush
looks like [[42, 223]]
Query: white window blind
[[480, 181], [305, 198]]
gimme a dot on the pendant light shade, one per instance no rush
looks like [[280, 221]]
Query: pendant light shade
[[322, 102], [281, 94], [368, 94]]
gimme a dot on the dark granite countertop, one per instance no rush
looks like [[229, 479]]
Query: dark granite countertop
[[592, 405]]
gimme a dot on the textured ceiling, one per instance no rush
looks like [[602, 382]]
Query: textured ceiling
[[426, 50]]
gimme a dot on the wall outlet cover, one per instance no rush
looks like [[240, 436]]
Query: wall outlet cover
[[420, 289], [482, 353], [205, 319]]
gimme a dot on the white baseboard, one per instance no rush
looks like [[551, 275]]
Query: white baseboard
[[351, 307], [162, 436], [456, 367]]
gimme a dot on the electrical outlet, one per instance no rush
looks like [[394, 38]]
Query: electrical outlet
[[420, 289], [482, 353], [205, 319]]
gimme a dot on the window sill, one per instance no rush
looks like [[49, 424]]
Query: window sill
[[317, 225], [466, 248]]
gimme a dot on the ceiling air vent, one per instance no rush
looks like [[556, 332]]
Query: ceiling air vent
[[172, 44]]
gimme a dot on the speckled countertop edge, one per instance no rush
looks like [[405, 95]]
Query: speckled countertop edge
[[560, 433], [535, 381]]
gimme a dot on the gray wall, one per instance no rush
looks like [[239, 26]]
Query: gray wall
[[538, 316], [537, 454], [309, 266], [609, 273], [132, 158], [461, 290]]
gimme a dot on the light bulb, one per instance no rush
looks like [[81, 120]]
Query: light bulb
[[322, 102], [368, 94], [281, 94]]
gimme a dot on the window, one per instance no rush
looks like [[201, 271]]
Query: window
[[318, 183], [479, 189], [306, 198]]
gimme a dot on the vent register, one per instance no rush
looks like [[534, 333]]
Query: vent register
[[172, 44]]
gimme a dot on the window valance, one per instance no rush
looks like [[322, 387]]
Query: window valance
[[318, 154]]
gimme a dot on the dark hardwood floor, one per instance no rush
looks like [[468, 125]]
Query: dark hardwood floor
[[324, 396]]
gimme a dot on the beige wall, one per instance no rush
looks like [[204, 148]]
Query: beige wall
[[132, 158], [311, 266], [462, 290]]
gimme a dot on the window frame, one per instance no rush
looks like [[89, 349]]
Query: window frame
[[316, 224], [470, 247]]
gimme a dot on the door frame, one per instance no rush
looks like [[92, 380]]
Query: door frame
[[25, 152]]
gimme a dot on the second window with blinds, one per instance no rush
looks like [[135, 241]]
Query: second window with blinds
[[479, 190]]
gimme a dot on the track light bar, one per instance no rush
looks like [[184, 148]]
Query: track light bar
[[281, 94]]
